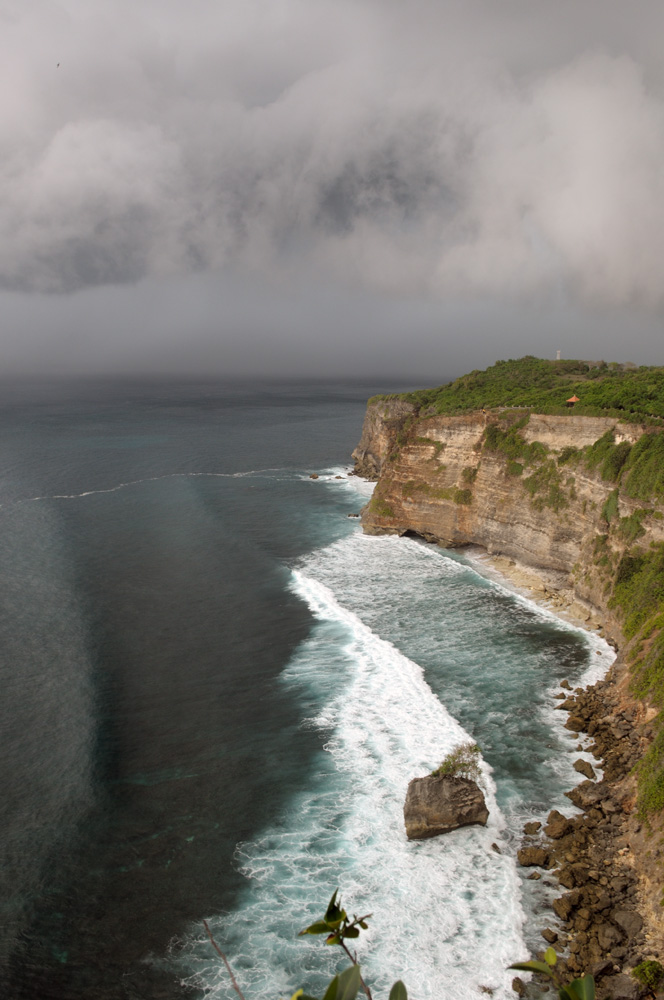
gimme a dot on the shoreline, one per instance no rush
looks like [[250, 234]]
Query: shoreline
[[546, 588], [604, 922]]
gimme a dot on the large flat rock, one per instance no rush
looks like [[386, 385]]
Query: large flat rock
[[436, 805]]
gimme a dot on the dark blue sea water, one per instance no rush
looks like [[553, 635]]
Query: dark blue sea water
[[215, 690]]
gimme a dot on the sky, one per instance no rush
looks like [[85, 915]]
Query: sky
[[342, 187]]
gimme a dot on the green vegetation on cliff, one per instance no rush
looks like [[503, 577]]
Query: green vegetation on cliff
[[626, 392], [629, 572]]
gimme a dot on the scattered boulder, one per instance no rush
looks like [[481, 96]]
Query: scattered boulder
[[529, 856], [629, 921], [532, 828], [436, 805], [519, 986], [564, 905], [584, 767], [608, 936], [587, 794], [602, 968], [622, 987], [550, 936], [557, 825], [575, 723], [313, 475]]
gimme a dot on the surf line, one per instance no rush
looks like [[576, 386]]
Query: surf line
[[148, 479]]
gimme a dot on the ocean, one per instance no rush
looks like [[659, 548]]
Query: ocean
[[215, 690]]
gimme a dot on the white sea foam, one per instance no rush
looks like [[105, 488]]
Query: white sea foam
[[342, 477], [448, 915], [149, 479]]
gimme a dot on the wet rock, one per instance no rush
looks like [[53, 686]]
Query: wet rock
[[566, 878], [549, 935], [563, 906], [557, 825], [436, 805], [587, 795], [575, 723], [532, 828], [528, 856], [584, 767], [519, 986], [313, 475]]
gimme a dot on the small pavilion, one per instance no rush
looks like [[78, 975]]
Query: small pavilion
[[572, 400]]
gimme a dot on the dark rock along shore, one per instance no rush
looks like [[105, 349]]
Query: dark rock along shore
[[602, 930]]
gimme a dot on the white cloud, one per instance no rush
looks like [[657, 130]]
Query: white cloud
[[437, 150]]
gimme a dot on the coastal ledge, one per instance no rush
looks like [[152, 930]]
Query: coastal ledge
[[557, 531]]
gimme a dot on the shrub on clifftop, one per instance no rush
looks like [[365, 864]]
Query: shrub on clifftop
[[462, 762]]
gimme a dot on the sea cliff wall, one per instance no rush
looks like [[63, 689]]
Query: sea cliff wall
[[541, 490], [439, 478]]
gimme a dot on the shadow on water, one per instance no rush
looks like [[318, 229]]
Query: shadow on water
[[194, 746], [144, 630]]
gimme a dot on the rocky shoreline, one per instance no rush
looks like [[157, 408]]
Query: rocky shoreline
[[601, 929], [598, 923]]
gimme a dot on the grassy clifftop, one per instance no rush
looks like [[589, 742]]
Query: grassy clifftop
[[623, 391]]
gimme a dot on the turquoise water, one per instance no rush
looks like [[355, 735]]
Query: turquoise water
[[413, 652], [216, 690]]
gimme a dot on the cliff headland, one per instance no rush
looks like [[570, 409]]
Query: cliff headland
[[559, 468]]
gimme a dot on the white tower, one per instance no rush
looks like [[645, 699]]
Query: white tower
[[557, 355]]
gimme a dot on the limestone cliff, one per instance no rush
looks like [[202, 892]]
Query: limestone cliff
[[438, 478], [543, 490]]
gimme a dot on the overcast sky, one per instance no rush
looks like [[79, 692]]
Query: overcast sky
[[329, 186]]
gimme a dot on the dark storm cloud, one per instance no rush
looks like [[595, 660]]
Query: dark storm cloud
[[490, 147]]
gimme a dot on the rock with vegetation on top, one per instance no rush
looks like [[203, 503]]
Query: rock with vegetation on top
[[438, 804]]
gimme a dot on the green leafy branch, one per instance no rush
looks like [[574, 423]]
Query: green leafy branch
[[339, 928], [579, 989]]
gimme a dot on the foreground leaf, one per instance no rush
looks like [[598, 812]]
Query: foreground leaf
[[344, 986], [532, 966], [398, 991], [349, 983], [582, 989], [319, 927]]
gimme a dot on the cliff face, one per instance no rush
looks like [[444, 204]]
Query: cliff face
[[438, 478], [519, 486]]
